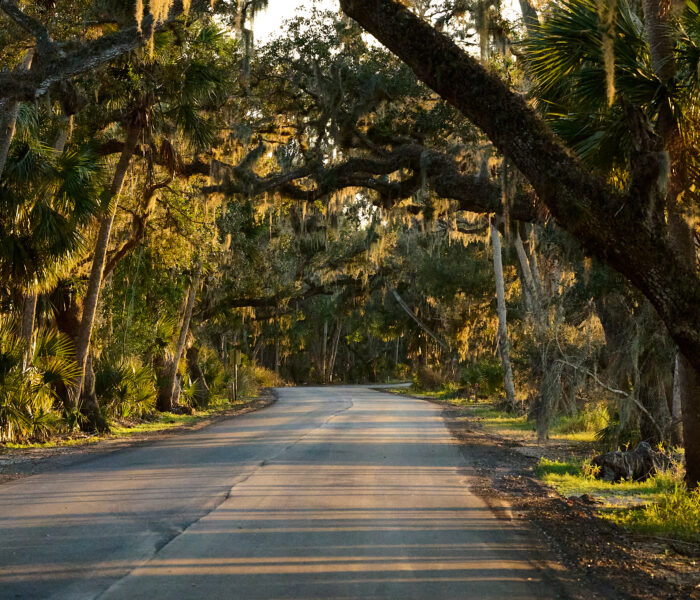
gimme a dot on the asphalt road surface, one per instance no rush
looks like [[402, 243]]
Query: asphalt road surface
[[331, 493]]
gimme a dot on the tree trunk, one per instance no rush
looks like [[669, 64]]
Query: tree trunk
[[529, 285], [95, 281], [67, 317], [277, 353], [324, 351], [676, 404], [94, 420], [690, 381], [334, 350], [504, 344], [165, 397], [197, 376], [28, 315], [530, 18]]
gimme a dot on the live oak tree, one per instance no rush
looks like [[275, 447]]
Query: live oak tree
[[625, 229]]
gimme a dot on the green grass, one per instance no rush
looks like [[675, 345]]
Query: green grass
[[659, 506], [52, 443], [579, 428], [446, 393], [161, 423], [508, 425], [675, 514], [570, 479]]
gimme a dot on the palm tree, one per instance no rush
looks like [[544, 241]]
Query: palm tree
[[167, 95], [28, 390]]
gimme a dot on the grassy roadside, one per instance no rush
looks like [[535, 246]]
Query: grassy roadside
[[660, 507], [126, 428], [497, 422]]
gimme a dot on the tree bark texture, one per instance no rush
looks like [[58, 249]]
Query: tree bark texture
[[167, 392], [334, 350], [504, 343], [197, 377], [98, 261], [324, 350]]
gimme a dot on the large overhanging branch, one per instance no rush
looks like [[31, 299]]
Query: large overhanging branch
[[56, 62], [607, 223], [29, 24], [29, 85], [439, 171], [281, 300]]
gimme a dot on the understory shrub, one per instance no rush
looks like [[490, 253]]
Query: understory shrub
[[676, 514], [253, 377], [28, 399], [488, 375], [127, 389], [592, 418], [427, 378]]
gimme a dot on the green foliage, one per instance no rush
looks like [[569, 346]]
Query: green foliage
[[546, 467], [675, 514], [126, 389], [661, 505], [253, 377], [27, 391], [427, 378], [45, 200], [592, 418], [487, 375]]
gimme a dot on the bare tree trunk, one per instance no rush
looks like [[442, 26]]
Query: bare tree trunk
[[277, 353], [529, 281], [27, 326], [9, 109], [690, 381], [197, 376], [165, 397], [257, 348], [334, 350], [324, 351], [530, 17], [504, 344], [95, 282], [676, 404]]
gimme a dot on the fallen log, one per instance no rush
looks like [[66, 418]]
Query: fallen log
[[633, 465]]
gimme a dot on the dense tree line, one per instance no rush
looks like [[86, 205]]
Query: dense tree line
[[505, 207]]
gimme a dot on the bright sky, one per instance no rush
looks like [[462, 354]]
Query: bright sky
[[269, 22]]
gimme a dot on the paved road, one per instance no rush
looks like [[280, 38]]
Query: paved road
[[331, 493]]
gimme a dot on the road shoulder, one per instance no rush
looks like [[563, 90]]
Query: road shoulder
[[17, 463]]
